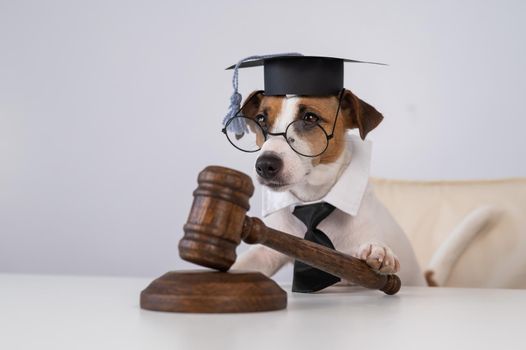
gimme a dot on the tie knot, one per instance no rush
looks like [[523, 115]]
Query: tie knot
[[312, 214]]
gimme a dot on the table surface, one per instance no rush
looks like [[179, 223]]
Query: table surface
[[66, 312]]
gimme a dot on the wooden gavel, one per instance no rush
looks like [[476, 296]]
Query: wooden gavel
[[217, 223]]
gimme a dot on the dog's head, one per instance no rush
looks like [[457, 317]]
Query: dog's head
[[281, 168]]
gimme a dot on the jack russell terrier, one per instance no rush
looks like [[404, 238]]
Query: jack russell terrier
[[359, 225]]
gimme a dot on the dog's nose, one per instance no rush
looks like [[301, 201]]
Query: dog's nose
[[268, 166]]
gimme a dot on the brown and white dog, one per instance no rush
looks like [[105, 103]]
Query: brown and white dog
[[366, 230]]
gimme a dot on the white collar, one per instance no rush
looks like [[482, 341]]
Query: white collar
[[347, 192]]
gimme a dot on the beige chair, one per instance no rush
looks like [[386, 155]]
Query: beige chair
[[465, 233]]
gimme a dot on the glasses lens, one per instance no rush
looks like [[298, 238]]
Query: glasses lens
[[308, 139], [245, 134]]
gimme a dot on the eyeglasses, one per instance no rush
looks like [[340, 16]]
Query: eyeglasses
[[305, 136]]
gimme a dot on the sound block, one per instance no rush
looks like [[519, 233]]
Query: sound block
[[213, 292]]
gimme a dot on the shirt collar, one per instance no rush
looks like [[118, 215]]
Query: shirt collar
[[346, 194]]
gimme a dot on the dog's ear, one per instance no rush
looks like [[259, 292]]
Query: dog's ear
[[359, 114], [252, 102]]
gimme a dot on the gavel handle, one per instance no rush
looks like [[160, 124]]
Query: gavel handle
[[329, 260]]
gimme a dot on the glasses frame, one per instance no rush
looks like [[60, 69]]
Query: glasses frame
[[284, 134]]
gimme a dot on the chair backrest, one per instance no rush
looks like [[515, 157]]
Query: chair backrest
[[428, 211]]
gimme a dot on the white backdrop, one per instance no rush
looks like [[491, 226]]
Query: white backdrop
[[109, 109]]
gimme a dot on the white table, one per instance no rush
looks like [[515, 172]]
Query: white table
[[64, 312]]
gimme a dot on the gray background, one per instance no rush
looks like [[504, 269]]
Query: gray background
[[108, 109]]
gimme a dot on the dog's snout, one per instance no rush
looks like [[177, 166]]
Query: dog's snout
[[268, 166]]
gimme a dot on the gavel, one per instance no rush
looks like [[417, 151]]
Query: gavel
[[218, 222]]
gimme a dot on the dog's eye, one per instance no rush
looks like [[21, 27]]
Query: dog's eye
[[310, 118], [262, 120]]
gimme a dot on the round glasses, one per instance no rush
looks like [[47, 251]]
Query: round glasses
[[305, 137]]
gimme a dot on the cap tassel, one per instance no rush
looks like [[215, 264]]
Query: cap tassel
[[239, 126]]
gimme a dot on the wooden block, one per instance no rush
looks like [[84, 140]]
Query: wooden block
[[213, 292]]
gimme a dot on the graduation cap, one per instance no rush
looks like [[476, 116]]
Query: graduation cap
[[292, 74]]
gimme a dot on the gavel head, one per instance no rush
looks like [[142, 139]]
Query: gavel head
[[214, 226]]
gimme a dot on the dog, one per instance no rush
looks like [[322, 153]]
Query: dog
[[360, 225]]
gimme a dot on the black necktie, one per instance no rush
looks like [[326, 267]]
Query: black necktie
[[308, 279]]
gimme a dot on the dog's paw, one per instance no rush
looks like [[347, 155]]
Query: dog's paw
[[379, 257]]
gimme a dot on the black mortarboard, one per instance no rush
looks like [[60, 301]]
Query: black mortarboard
[[292, 74], [301, 75]]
